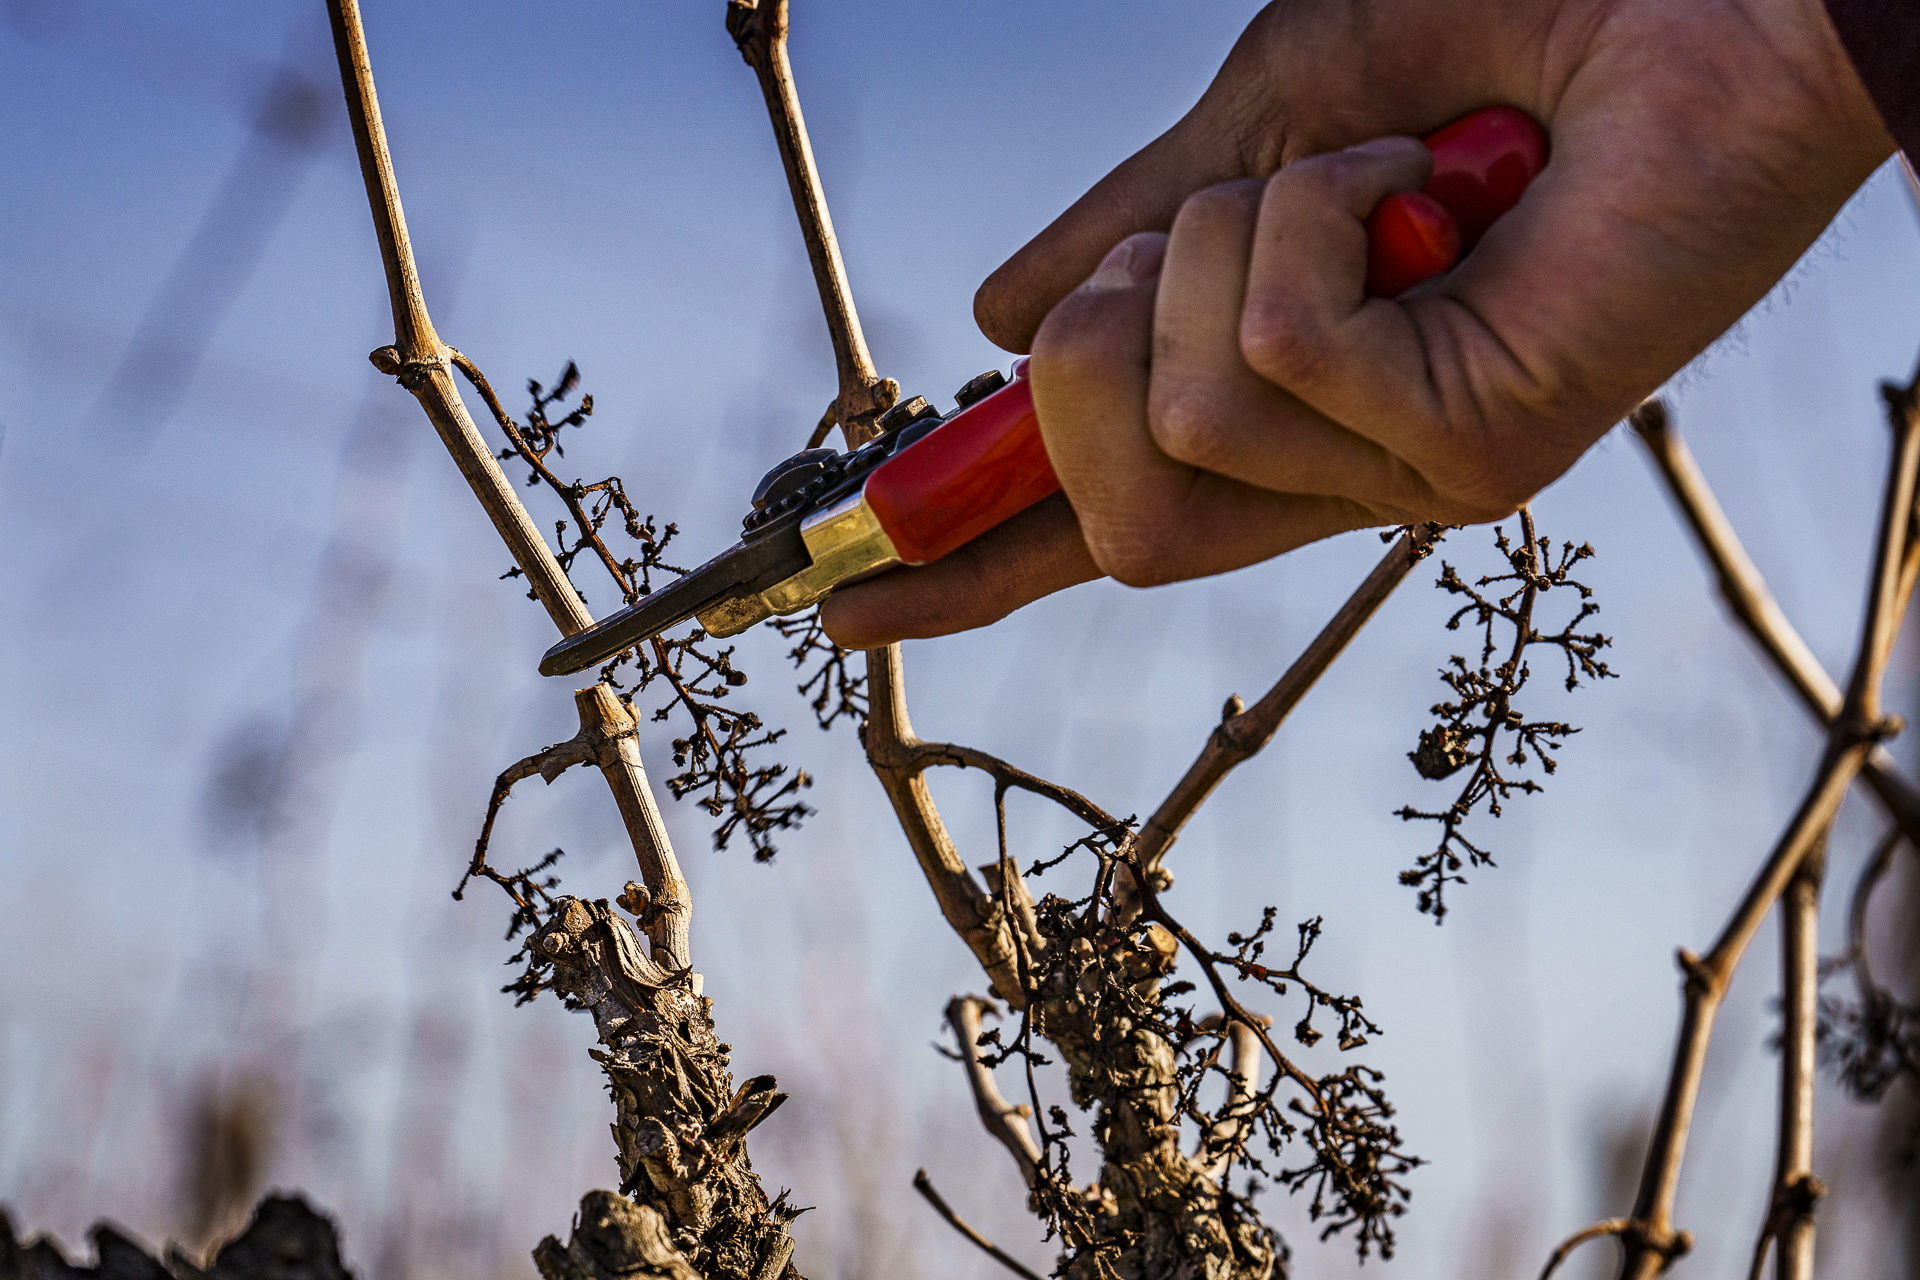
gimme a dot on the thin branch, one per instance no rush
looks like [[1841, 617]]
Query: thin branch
[[1003, 1120], [1892, 580], [1214, 1155], [418, 358], [1006, 883], [1236, 1013], [1741, 584], [970, 910], [924, 1185], [1359, 1163], [549, 764], [1855, 956], [1746, 594], [568, 494], [1598, 1231], [1870, 1046], [1241, 736], [1850, 739], [900, 757], [1795, 1190], [606, 738], [760, 31], [670, 913], [423, 364], [917, 754], [824, 428], [1706, 983]]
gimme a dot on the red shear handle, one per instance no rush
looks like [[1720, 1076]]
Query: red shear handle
[[1482, 164], [1410, 237], [987, 464], [981, 467]]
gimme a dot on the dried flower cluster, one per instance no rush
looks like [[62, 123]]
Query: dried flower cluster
[[1472, 726], [1872, 1042], [1097, 977], [741, 794], [588, 505], [831, 689]]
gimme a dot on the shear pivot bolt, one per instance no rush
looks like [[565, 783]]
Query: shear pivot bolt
[[979, 388]]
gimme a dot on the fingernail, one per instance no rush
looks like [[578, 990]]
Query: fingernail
[[1385, 146], [1133, 260]]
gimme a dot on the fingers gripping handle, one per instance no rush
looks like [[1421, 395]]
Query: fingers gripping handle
[[1482, 164], [983, 466], [987, 463]]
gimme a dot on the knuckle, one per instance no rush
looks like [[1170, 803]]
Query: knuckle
[[1325, 178], [1071, 346], [1092, 333], [1281, 341], [1353, 179], [1226, 203], [1336, 174], [1189, 428]]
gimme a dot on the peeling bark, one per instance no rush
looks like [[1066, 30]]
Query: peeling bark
[[679, 1124], [1155, 1203]]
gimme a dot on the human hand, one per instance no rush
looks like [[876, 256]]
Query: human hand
[[1220, 390]]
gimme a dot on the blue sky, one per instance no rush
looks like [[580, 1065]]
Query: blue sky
[[278, 564]]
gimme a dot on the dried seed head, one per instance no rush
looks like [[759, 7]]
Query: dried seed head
[[1442, 752]]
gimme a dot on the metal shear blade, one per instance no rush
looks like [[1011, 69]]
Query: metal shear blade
[[772, 555]]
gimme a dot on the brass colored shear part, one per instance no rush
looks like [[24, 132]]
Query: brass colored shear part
[[846, 543]]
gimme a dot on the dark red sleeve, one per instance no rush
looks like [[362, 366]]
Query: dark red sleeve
[[1883, 38]]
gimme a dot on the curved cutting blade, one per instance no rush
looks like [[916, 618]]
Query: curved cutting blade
[[775, 554]]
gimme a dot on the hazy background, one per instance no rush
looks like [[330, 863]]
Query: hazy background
[[260, 672]]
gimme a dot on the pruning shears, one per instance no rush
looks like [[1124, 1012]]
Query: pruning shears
[[923, 487], [928, 484]]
